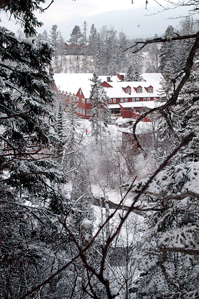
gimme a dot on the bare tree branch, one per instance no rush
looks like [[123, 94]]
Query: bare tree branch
[[43, 9], [160, 40], [185, 141], [174, 97], [181, 250]]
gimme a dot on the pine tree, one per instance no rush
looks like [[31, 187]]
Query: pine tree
[[43, 37], [170, 269], [98, 58], [166, 271], [129, 75], [92, 40], [168, 52], [135, 69], [85, 33], [122, 56], [100, 114], [54, 44], [29, 236], [76, 35]]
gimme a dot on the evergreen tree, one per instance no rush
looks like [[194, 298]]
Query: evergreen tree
[[129, 75], [99, 57], [167, 269], [168, 52], [100, 114], [76, 35], [122, 56], [29, 239], [171, 241], [43, 37], [135, 69], [92, 40], [54, 40], [85, 32]]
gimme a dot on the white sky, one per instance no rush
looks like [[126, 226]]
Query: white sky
[[121, 14], [62, 8]]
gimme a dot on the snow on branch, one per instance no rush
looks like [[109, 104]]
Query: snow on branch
[[159, 40], [100, 275], [181, 250], [186, 71]]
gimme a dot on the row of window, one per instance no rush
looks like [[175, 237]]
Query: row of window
[[125, 100], [83, 111], [88, 111], [80, 110], [139, 90], [122, 100], [83, 100]]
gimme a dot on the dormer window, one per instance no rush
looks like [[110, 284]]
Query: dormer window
[[128, 90], [139, 89], [149, 89]]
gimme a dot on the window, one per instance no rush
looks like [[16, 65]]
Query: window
[[128, 90], [88, 101], [150, 89], [110, 100], [137, 99], [80, 110], [139, 89], [121, 100], [133, 99], [83, 111], [148, 99], [144, 99], [77, 109], [126, 100], [83, 100], [88, 112], [80, 92], [77, 98], [114, 100]]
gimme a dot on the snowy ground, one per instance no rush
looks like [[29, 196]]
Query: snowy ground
[[109, 146], [101, 158]]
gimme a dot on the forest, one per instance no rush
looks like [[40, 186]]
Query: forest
[[101, 52], [58, 239]]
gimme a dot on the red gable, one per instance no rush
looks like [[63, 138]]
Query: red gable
[[138, 89], [149, 89], [120, 77], [105, 84], [127, 89]]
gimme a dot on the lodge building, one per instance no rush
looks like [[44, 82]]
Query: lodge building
[[126, 99]]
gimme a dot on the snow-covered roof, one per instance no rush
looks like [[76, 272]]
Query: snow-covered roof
[[114, 106], [152, 77], [68, 82], [149, 104], [117, 89]]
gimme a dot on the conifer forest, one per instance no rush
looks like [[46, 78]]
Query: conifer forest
[[58, 239]]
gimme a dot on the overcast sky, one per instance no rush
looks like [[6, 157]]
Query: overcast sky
[[133, 19]]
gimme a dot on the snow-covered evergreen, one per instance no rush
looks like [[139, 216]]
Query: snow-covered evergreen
[[100, 114]]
